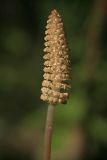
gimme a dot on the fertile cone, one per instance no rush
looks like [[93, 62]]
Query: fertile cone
[[56, 65]]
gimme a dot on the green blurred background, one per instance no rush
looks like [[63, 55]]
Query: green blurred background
[[80, 129]]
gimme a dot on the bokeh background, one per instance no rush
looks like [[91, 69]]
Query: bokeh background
[[80, 129]]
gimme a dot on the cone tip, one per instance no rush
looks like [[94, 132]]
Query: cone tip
[[54, 11]]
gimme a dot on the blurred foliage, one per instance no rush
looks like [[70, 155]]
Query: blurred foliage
[[80, 130]]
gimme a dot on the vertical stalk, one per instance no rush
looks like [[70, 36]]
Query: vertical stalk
[[48, 132]]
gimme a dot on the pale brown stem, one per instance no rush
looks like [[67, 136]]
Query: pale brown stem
[[48, 132]]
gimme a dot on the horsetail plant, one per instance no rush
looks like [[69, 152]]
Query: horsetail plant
[[56, 73]]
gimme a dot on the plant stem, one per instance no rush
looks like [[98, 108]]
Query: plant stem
[[48, 132]]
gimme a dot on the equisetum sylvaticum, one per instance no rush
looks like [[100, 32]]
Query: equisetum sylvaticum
[[56, 73]]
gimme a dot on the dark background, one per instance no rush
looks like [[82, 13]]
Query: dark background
[[80, 130]]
